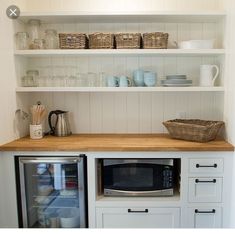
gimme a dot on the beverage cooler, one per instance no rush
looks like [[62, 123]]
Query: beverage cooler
[[52, 192]]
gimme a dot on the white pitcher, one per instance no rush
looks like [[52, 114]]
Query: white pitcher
[[206, 75]]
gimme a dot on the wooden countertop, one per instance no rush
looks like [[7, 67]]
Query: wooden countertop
[[114, 142]]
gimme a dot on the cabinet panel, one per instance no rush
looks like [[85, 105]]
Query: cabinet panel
[[211, 165], [205, 189], [137, 217], [205, 217]]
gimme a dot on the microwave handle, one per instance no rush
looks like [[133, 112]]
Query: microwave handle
[[138, 211]]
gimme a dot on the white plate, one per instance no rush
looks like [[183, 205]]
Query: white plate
[[176, 85]]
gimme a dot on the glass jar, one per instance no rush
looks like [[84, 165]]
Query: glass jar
[[34, 31], [27, 81], [22, 40], [39, 44], [35, 75], [51, 39]]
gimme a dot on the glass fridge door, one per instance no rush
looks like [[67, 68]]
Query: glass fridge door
[[52, 192]]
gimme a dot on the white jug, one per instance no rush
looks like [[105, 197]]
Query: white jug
[[206, 75]]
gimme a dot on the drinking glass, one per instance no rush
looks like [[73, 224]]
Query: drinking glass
[[101, 79], [92, 79], [81, 80]]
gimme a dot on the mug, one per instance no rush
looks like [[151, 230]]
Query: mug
[[139, 77], [112, 81], [150, 78], [206, 75], [124, 81], [35, 131]]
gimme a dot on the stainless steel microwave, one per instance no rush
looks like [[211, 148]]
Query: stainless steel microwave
[[138, 177]]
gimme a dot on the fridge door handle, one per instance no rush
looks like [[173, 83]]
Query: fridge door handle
[[50, 159]]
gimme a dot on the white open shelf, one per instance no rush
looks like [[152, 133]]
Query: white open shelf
[[121, 52], [103, 17], [118, 89]]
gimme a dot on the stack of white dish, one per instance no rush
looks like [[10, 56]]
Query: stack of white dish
[[176, 81]]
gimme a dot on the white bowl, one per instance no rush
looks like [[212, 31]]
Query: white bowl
[[197, 44], [69, 217]]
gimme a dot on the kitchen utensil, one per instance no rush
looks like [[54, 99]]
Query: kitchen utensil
[[112, 81], [196, 44], [124, 81], [62, 126], [35, 131], [150, 78], [206, 75], [169, 77], [69, 218], [139, 77], [38, 113]]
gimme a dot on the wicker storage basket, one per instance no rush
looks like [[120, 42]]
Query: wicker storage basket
[[155, 40], [128, 40], [193, 129], [101, 41], [73, 41]]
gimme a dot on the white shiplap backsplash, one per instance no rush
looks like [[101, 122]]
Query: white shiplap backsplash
[[132, 112]]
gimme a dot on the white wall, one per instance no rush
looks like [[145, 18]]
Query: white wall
[[230, 98], [123, 5]]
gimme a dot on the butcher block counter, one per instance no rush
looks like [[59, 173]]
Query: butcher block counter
[[114, 142]]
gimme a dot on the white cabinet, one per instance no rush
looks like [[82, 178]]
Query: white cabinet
[[204, 217], [207, 189], [137, 217]]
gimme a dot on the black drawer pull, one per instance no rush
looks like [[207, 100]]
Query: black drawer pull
[[205, 181], [205, 212], [138, 211], [214, 166]]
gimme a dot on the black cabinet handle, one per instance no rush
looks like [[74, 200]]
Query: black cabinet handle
[[205, 181], [138, 211], [214, 166], [205, 212]]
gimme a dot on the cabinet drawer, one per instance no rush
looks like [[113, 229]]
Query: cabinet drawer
[[137, 217], [205, 189], [204, 217], [210, 165]]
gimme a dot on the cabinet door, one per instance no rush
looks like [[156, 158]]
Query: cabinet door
[[204, 217], [205, 189], [137, 217]]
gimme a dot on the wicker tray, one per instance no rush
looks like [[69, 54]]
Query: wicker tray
[[73, 41], [193, 129], [155, 40], [128, 40], [101, 41]]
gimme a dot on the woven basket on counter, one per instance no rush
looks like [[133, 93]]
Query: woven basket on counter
[[73, 41], [128, 40], [193, 129], [101, 41], [155, 40]]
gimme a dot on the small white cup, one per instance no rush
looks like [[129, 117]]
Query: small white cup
[[35, 131]]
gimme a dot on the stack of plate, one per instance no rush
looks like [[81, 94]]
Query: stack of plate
[[176, 81]]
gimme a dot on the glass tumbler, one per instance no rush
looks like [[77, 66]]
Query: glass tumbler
[[35, 75], [22, 40], [39, 44], [92, 79], [27, 81], [51, 39]]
